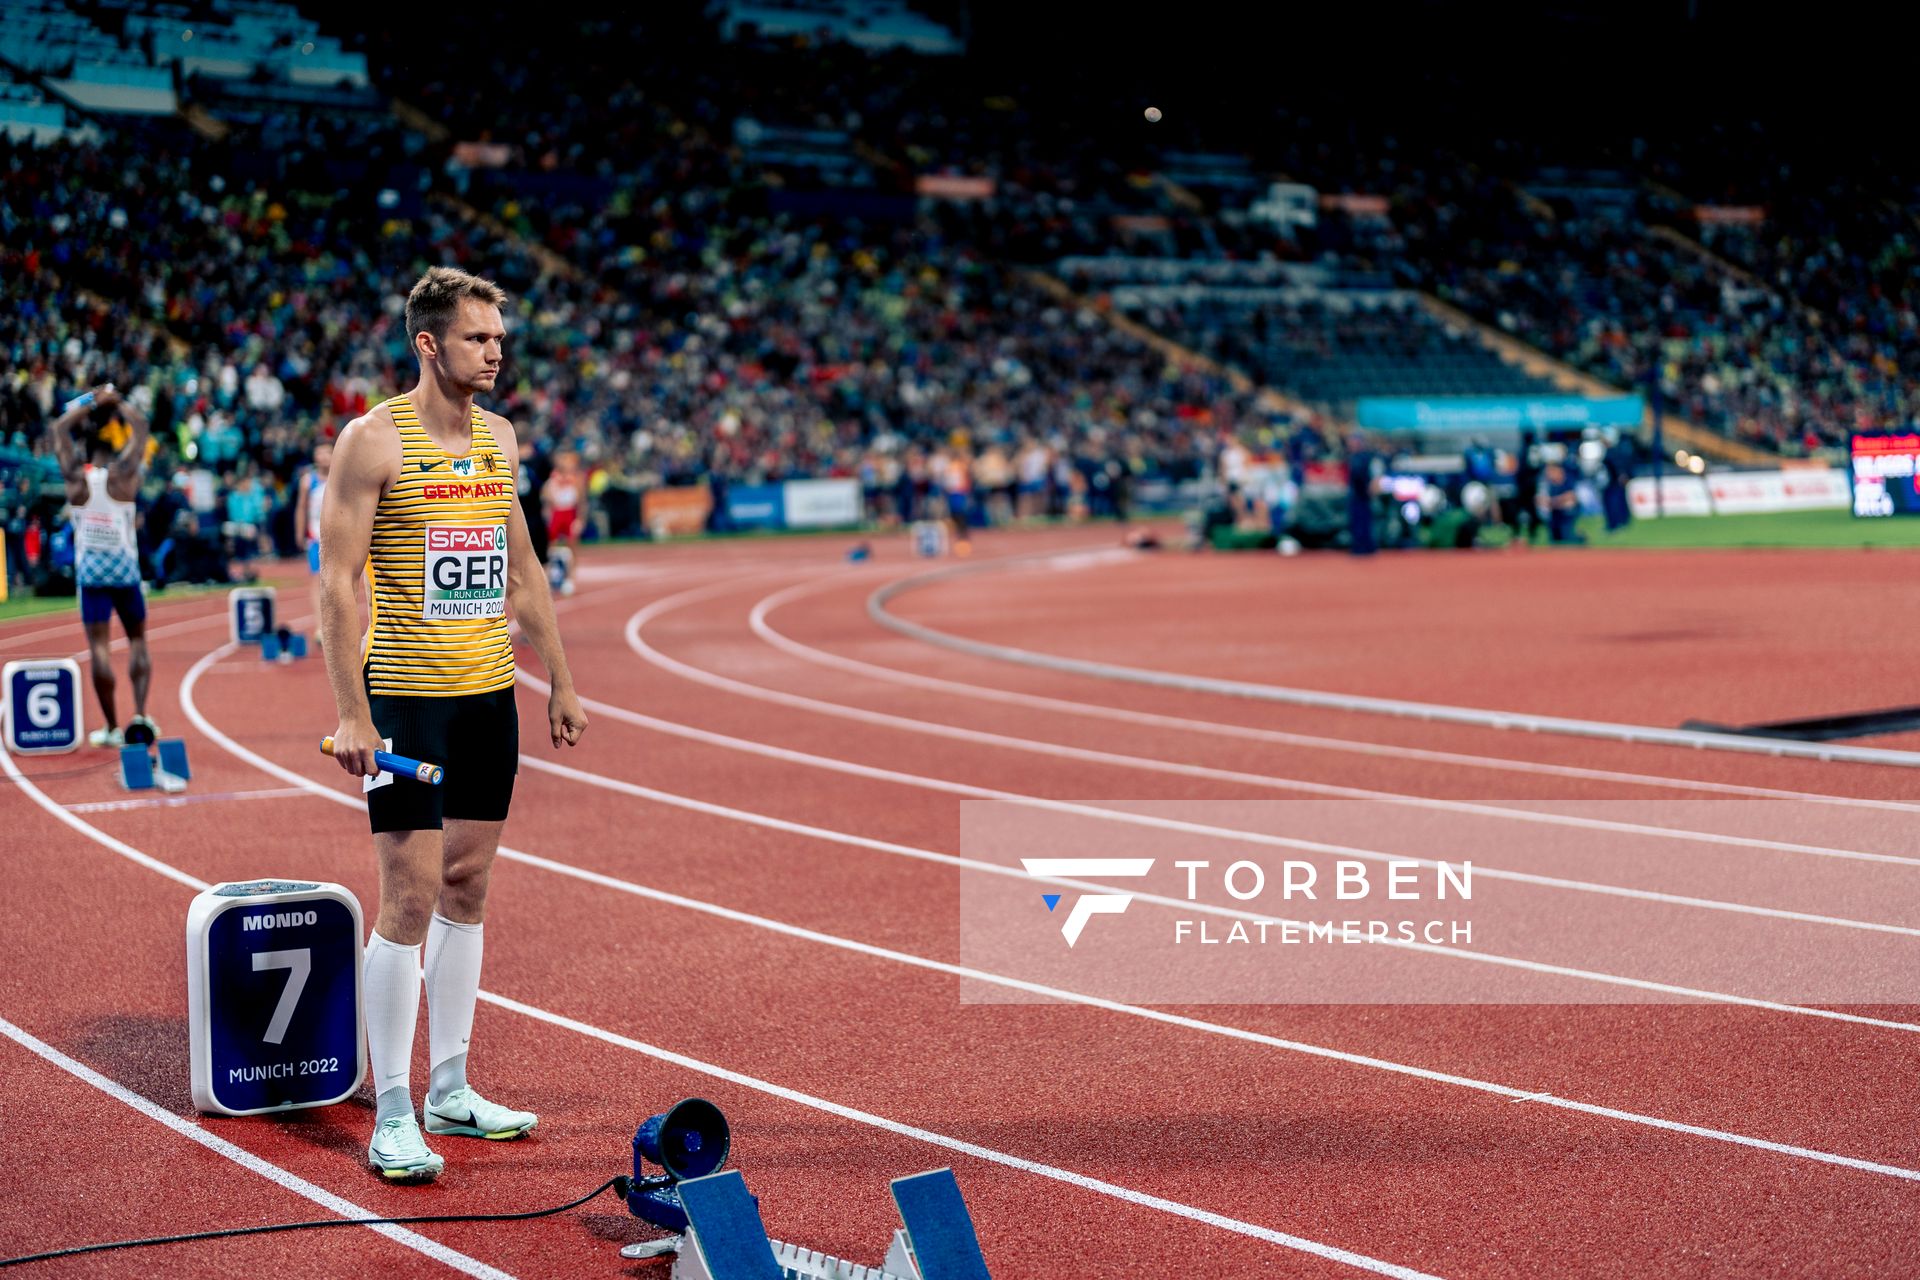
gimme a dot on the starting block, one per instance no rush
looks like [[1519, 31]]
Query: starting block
[[284, 645], [139, 770], [726, 1239]]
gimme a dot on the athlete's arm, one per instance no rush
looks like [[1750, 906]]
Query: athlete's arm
[[533, 609], [123, 477], [364, 462], [73, 467]]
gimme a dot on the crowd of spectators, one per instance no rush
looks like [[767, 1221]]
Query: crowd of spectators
[[737, 346], [1725, 348], [687, 308], [1790, 330]]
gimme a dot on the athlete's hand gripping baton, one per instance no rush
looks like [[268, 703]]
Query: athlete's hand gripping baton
[[399, 766]]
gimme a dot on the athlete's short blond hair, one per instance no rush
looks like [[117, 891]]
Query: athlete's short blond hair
[[436, 298]]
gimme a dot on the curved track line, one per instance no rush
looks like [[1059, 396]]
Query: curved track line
[[762, 627], [835, 764], [1068, 1176], [1271, 781], [1146, 1200], [166, 609], [847, 838], [1136, 1011], [247, 1160], [749, 818], [1477, 716]]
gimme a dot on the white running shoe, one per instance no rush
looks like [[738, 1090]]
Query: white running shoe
[[465, 1114], [400, 1153], [107, 737]]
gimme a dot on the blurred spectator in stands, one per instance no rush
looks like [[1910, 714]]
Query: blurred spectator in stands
[[1524, 518], [1031, 467], [911, 489], [265, 393], [1363, 469], [19, 499], [993, 486], [245, 527], [1619, 464]]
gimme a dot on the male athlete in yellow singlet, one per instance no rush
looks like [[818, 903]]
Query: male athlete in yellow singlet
[[422, 497]]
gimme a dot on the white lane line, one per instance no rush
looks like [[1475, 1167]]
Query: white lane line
[[837, 765], [1056, 993], [120, 847], [1477, 716], [1083, 1181], [1472, 956], [246, 1159], [640, 792], [759, 620], [174, 802], [1269, 781], [72, 625], [780, 824]]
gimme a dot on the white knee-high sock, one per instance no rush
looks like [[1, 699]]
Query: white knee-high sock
[[390, 990], [453, 984]]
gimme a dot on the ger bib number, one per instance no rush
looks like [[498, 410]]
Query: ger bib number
[[465, 571]]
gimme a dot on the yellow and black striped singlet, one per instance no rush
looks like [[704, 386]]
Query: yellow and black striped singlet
[[436, 569]]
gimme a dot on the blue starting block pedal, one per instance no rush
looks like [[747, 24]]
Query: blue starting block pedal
[[938, 1242], [726, 1239], [141, 771], [284, 645], [729, 1240]]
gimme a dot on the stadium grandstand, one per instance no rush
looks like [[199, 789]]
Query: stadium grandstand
[[770, 241]]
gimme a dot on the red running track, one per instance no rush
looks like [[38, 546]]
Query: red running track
[[1091, 1141]]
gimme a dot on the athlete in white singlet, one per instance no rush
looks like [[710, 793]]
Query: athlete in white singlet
[[100, 491]]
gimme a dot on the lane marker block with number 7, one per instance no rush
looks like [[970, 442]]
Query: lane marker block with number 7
[[273, 996]]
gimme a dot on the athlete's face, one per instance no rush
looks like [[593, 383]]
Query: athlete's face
[[470, 357], [323, 459]]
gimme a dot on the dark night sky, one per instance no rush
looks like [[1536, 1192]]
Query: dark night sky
[[1642, 56]]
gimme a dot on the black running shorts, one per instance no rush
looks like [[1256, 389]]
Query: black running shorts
[[475, 736]]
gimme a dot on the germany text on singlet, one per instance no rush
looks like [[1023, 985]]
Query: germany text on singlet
[[437, 568]]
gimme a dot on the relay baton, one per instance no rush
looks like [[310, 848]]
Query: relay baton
[[400, 766]]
